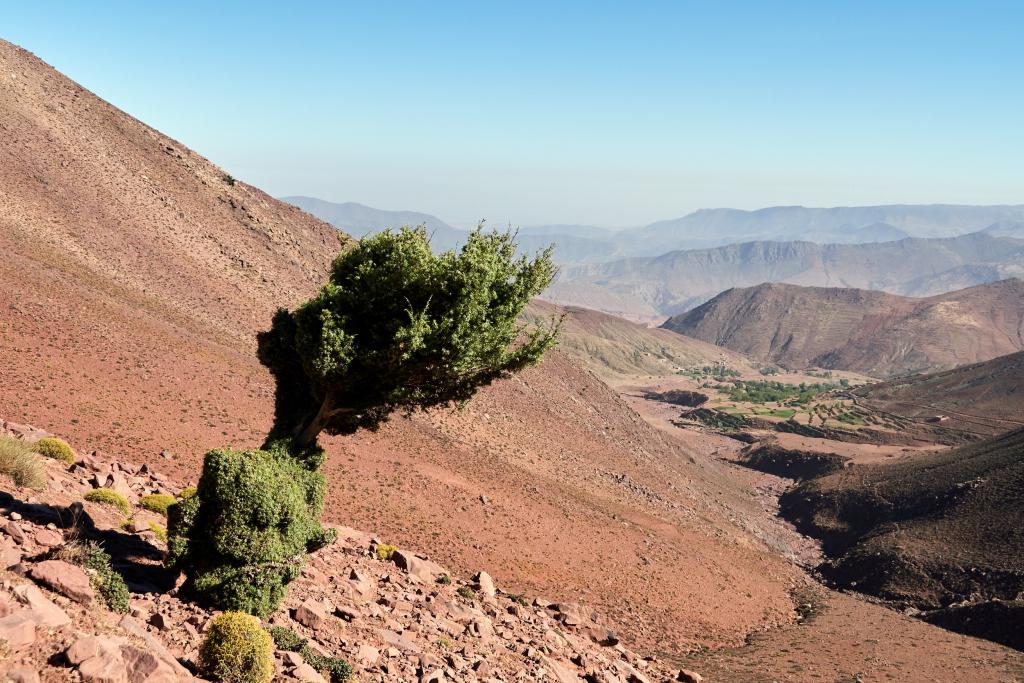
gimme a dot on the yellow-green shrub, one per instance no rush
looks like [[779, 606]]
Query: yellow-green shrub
[[237, 650], [188, 492], [385, 551], [161, 533], [55, 448], [109, 497], [21, 464], [157, 502]]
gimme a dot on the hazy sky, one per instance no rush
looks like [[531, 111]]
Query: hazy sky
[[612, 113]]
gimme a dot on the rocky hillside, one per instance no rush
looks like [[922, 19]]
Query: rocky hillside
[[873, 333], [391, 617], [652, 288], [982, 398], [135, 279], [922, 533]]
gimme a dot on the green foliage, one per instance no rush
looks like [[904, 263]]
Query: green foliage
[[768, 370], [466, 592], [444, 579], [767, 391], [243, 537], [719, 372], [19, 462], [157, 502], [385, 551], [229, 179], [55, 448], [397, 327], [109, 497], [187, 492], [718, 419], [107, 582], [286, 639], [236, 650], [335, 669], [159, 531], [519, 599]]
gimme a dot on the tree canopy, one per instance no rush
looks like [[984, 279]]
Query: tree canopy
[[397, 327]]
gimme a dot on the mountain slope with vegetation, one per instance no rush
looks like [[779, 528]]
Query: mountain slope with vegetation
[[869, 332]]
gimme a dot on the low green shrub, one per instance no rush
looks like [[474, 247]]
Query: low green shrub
[[286, 639], [245, 534], [187, 492], [236, 650], [157, 502], [55, 448], [109, 497], [96, 563], [335, 669], [19, 462], [161, 533], [466, 592], [444, 579]]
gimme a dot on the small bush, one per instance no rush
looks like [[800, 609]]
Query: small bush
[[244, 536], [286, 639], [335, 669], [188, 492], [444, 579], [161, 533], [157, 502], [237, 650], [385, 551], [109, 497], [55, 448], [96, 563], [21, 464], [466, 592]]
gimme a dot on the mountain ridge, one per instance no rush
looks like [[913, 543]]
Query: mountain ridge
[[860, 330]]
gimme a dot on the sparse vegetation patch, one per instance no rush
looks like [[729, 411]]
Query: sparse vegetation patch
[[19, 462], [109, 497], [55, 448]]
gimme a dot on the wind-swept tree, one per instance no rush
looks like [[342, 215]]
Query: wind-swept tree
[[395, 328]]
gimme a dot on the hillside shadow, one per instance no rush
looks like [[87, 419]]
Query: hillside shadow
[[137, 560]]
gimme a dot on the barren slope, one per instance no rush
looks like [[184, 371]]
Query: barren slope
[[864, 331], [983, 398], [619, 350], [923, 532]]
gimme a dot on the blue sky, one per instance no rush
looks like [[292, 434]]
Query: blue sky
[[608, 113]]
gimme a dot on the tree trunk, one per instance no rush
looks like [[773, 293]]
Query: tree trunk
[[305, 436]]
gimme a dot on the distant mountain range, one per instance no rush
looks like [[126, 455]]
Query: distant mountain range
[[679, 280], [572, 243], [706, 228], [839, 225], [870, 332]]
